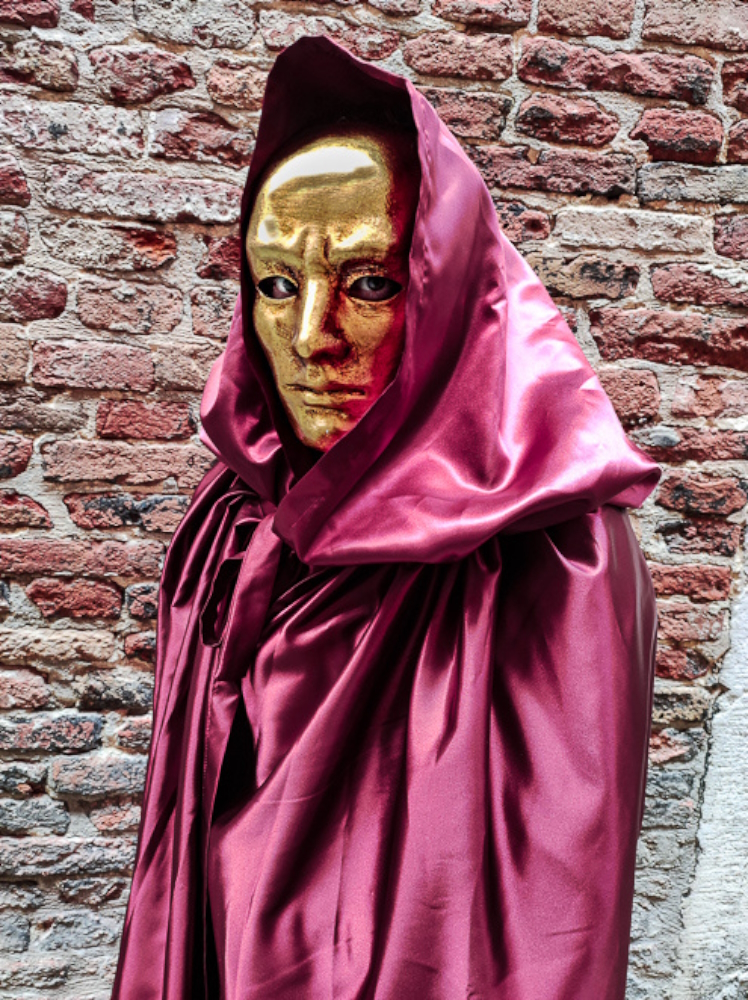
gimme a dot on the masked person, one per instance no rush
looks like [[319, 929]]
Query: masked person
[[406, 634]]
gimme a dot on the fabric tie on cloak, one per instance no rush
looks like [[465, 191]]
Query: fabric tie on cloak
[[443, 631]]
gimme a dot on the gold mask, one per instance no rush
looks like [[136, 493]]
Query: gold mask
[[327, 246]]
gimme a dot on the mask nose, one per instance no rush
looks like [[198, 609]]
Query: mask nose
[[316, 330]]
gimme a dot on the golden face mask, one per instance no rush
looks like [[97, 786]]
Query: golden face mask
[[327, 246]]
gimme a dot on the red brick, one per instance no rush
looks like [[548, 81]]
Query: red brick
[[142, 600], [737, 149], [75, 598], [13, 187], [212, 311], [66, 127], [646, 74], [91, 245], [30, 13], [29, 410], [561, 119], [204, 137], [680, 664], [470, 114], [98, 776], [691, 283], [710, 397], [27, 295], [451, 53], [720, 24], [149, 421], [116, 817], [670, 337], [15, 452], [685, 136], [85, 8], [674, 745], [14, 237], [136, 75], [185, 367], [564, 171], [92, 365], [731, 236], [699, 444], [149, 197], [238, 84], [44, 64], [696, 535], [584, 275], [280, 30], [570, 316], [735, 83], [223, 259], [634, 393], [699, 583], [612, 18], [141, 646], [520, 223], [135, 734], [23, 689], [151, 511], [697, 493], [681, 621], [20, 511], [116, 461], [65, 733], [129, 308], [491, 13], [35, 555]]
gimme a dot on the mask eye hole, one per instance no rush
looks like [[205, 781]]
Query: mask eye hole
[[374, 288], [277, 287]]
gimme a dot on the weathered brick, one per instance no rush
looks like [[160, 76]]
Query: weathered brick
[[679, 664], [32, 857], [92, 891], [21, 779], [452, 53], [72, 931], [113, 461], [698, 493], [671, 182], [720, 24], [149, 197], [491, 13], [737, 148], [223, 259], [25, 409], [680, 703], [44, 64], [685, 136], [681, 621], [202, 136], [612, 18], [36, 974], [669, 745], [705, 286], [15, 452], [85, 8], [148, 421], [98, 776], [142, 600], [710, 397], [30, 13], [679, 444], [91, 245], [280, 30], [577, 172], [645, 74], [14, 237], [75, 598], [153, 512], [138, 74], [634, 393], [135, 734], [38, 815], [141, 646], [735, 83], [731, 236], [671, 337], [64, 645], [585, 275], [398, 8], [626, 229], [62, 127], [471, 114], [239, 84], [34, 555], [92, 365], [14, 359], [120, 689], [184, 367], [22, 689], [210, 24], [27, 295], [699, 583], [116, 817], [520, 223], [15, 931], [128, 307], [212, 310], [13, 187], [560, 119], [65, 732]]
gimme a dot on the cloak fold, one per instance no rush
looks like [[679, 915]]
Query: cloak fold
[[403, 688]]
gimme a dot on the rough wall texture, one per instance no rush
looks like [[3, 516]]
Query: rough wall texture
[[611, 132]]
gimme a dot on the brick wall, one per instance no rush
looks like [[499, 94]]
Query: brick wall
[[611, 134]]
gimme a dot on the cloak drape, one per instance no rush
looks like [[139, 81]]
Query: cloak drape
[[403, 688]]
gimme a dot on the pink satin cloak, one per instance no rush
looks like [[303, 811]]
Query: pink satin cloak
[[431, 647]]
